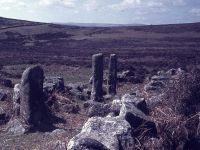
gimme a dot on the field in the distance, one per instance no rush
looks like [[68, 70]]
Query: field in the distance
[[153, 46]]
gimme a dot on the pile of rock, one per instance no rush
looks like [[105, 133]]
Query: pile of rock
[[159, 82], [79, 90], [117, 129], [134, 76], [53, 83]]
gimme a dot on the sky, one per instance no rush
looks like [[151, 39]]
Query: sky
[[103, 11]]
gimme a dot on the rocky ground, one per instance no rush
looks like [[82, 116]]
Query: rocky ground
[[148, 90], [146, 101]]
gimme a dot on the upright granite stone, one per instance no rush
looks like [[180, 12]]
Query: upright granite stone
[[32, 106], [97, 68], [112, 76]]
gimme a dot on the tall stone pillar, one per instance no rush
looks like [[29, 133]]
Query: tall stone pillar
[[97, 70], [32, 106], [112, 75]]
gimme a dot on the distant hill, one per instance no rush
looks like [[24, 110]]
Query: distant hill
[[99, 24], [7, 22], [153, 46]]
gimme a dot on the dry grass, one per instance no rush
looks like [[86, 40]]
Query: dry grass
[[177, 116]]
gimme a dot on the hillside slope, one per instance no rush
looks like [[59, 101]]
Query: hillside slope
[[151, 46]]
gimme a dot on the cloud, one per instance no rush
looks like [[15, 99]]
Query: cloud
[[12, 2], [91, 5], [126, 4], [66, 3], [9, 4], [195, 12], [178, 2], [158, 4], [135, 4]]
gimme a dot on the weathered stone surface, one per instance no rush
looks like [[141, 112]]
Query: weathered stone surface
[[71, 108], [136, 117], [112, 75], [79, 90], [107, 97], [53, 83], [58, 133], [154, 86], [3, 94], [16, 100], [57, 145], [6, 82], [102, 134], [32, 106], [15, 127], [88, 144], [134, 100], [124, 75], [116, 106], [2, 116], [98, 109], [97, 71]]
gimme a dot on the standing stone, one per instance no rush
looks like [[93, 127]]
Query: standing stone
[[16, 100], [97, 68], [112, 76], [32, 106]]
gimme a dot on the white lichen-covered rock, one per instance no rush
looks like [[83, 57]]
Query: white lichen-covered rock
[[134, 100], [16, 99], [116, 106], [102, 133], [15, 127]]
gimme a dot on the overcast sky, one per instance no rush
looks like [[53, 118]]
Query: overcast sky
[[103, 11]]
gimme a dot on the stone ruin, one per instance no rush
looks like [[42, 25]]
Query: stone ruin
[[32, 106], [112, 75], [115, 130], [97, 77], [97, 71], [115, 125], [111, 126], [28, 101]]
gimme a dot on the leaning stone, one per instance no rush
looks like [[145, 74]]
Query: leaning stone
[[32, 106], [97, 69]]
